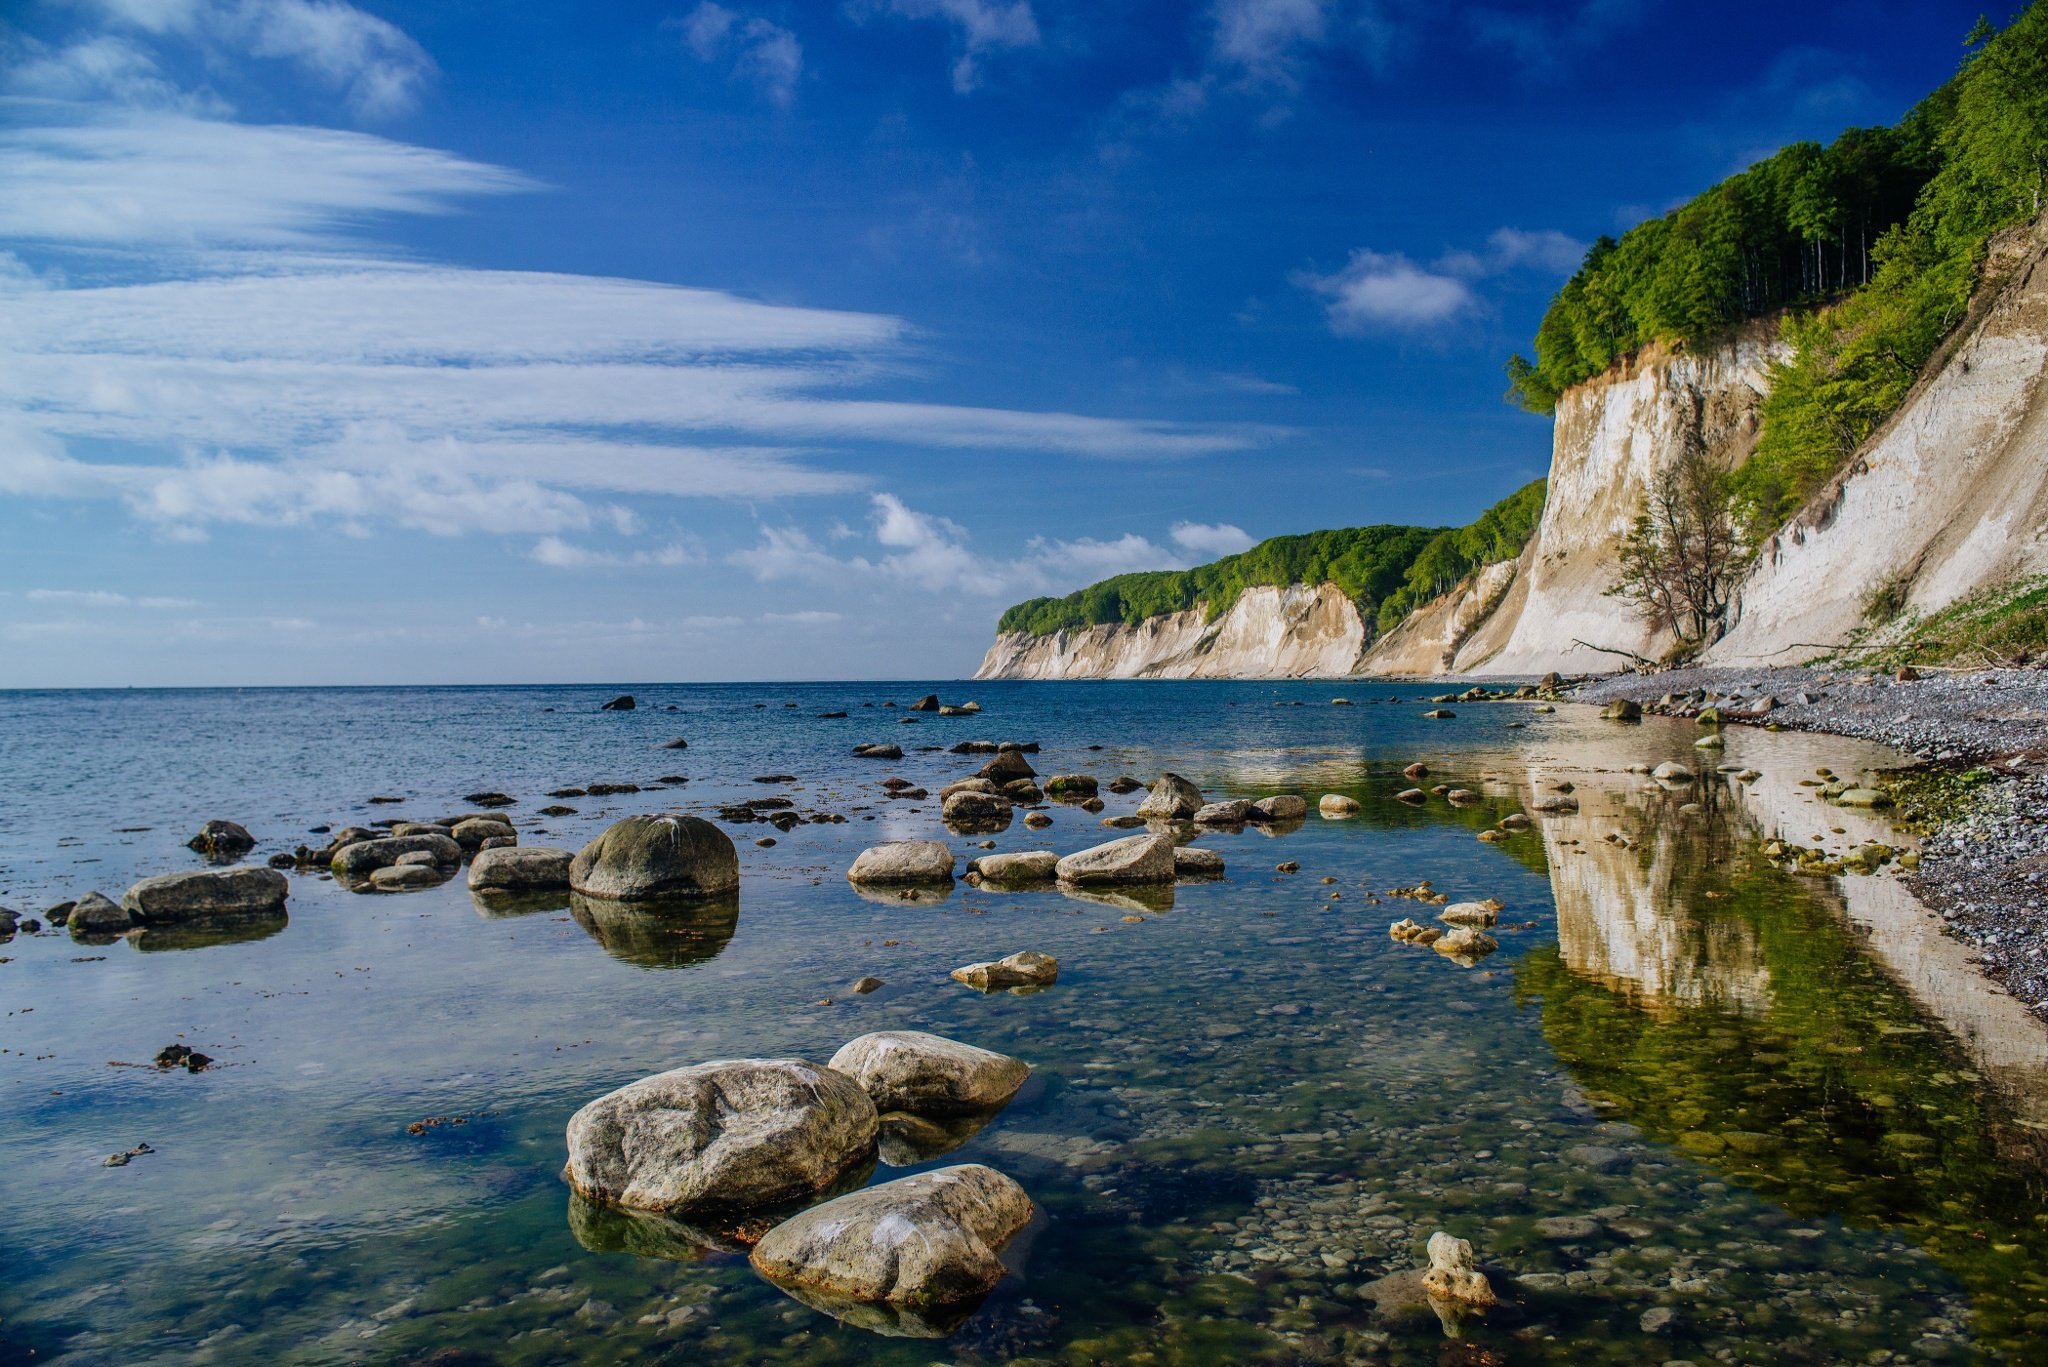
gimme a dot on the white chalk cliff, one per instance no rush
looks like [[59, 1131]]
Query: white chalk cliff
[[1949, 497]]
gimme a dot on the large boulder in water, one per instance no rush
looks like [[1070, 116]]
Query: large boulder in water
[[1172, 798], [1134, 859], [1007, 767], [364, 857], [665, 856], [625, 702], [98, 914], [917, 1245], [520, 868], [909, 1070], [173, 898], [222, 840], [970, 808], [733, 1135], [903, 862], [1015, 870]]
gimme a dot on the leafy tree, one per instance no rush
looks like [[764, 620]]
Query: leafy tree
[[1683, 557]]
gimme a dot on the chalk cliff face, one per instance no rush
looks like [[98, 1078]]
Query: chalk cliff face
[[1301, 631], [1949, 496]]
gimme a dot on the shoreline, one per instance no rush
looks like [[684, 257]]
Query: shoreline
[[1984, 864]]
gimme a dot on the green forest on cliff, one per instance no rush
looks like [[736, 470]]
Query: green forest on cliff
[[1871, 245], [1377, 566], [1868, 248]]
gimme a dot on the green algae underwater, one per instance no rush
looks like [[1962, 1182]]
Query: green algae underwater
[[1697, 1108]]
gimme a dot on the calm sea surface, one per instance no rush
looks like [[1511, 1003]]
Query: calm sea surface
[[1686, 1113]]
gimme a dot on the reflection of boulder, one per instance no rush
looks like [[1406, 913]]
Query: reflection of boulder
[[908, 1140], [204, 932], [880, 1317], [659, 934], [644, 1234], [492, 905], [929, 895], [1123, 899]]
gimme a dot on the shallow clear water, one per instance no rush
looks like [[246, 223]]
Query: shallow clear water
[[1246, 1106]]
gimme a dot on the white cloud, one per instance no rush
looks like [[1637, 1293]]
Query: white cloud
[[931, 553], [811, 618], [760, 51], [984, 26], [375, 66], [276, 373], [1378, 289], [1211, 539], [552, 550], [165, 180], [101, 598], [1262, 37], [101, 68], [1388, 290]]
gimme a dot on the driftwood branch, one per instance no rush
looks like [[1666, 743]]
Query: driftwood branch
[[1610, 650]]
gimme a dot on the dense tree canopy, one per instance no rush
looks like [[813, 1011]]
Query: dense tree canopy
[[1871, 245], [1374, 565]]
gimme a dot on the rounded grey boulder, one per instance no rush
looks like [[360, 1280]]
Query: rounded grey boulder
[[222, 840], [732, 1135], [1134, 859], [1019, 869], [472, 832], [903, 862], [670, 855], [364, 857], [171, 898], [1172, 798], [909, 1070], [97, 914], [921, 1242], [1283, 807], [520, 868]]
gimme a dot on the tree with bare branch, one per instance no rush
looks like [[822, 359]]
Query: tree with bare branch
[[1684, 556]]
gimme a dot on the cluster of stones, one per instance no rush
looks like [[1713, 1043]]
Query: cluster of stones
[[746, 1147], [1465, 942]]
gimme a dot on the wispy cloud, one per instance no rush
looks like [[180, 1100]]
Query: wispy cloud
[[374, 65], [101, 598], [278, 371], [553, 550], [756, 50], [981, 27], [921, 550]]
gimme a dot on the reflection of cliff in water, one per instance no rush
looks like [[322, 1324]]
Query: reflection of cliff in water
[[1630, 916], [659, 934], [1735, 1011]]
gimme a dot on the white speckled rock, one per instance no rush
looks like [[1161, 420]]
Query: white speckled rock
[[903, 861], [736, 1134], [909, 1070], [1172, 798], [1134, 859], [1026, 968], [925, 1241]]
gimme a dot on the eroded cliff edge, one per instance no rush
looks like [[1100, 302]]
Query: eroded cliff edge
[[1947, 498]]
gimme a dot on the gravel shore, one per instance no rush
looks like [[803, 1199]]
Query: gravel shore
[[1985, 868]]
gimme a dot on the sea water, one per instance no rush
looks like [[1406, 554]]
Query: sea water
[[1685, 1113]]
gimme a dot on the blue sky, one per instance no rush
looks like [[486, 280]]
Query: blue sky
[[454, 342]]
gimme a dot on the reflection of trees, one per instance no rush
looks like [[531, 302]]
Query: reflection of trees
[[1831, 1097], [659, 934]]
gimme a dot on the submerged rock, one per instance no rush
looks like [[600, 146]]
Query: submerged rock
[[903, 862], [1134, 859], [173, 898], [909, 1070], [1026, 968], [1070, 787], [666, 856], [891, 1257], [513, 868], [222, 840], [731, 1135], [1172, 798], [1622, 709], [1192, 862]]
